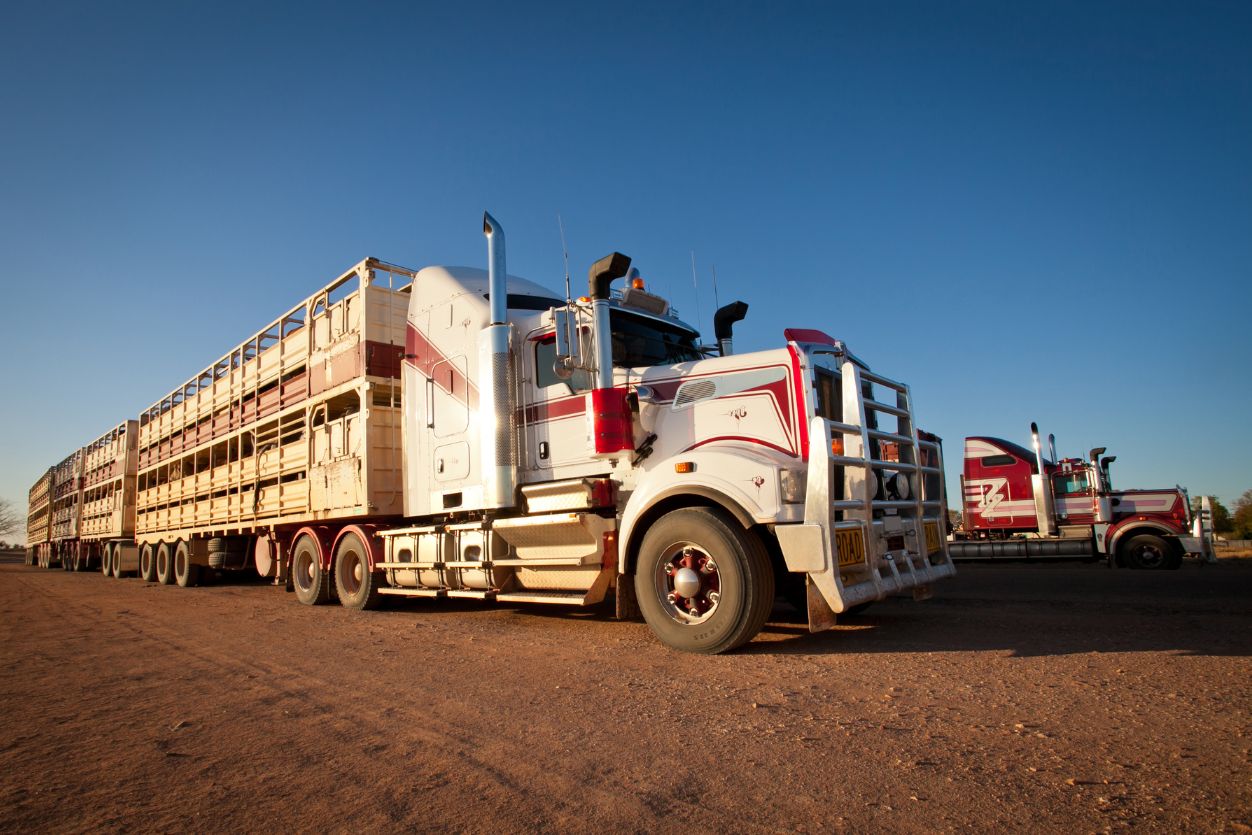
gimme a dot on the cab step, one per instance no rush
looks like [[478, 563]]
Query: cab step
[[412, 592], [559, 597]]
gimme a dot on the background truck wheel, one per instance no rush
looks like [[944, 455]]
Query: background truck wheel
[[1148, 551], [186, 572], [165, 564], [704, 584], [356, 584], [106, 560], [147, 563], [311, 581]]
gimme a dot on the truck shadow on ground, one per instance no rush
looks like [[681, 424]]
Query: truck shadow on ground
[[1014, 628]]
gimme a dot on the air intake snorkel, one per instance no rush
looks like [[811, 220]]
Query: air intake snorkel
[[724, 325]]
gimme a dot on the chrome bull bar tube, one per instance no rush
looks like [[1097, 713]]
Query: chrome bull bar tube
[[861, 548]]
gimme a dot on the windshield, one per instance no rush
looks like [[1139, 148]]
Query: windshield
[[638, 341]]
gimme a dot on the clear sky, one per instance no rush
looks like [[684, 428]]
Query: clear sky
[[1026, 211]]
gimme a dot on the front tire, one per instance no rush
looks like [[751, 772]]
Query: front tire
[[704, 584], [356, 584], [1150, 552], [310, 580]]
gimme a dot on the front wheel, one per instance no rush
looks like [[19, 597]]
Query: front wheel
[[704, 584], [1149, 551]]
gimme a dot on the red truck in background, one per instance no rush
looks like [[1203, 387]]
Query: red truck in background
[[1017, 504]]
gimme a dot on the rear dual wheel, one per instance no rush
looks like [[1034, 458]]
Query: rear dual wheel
[[309, 578], [704, 584], [356, 585], [106, 560]]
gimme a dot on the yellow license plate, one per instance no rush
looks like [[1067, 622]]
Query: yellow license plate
[[851, 547], [933, 542]]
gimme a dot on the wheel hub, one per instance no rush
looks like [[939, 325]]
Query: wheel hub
[[689, 583], [686, 582]]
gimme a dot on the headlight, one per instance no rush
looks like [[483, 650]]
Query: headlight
[[794, 485]]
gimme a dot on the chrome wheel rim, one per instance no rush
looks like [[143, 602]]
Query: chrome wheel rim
[[688, 583]]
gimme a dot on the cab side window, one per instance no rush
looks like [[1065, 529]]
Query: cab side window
[[1068, 484]]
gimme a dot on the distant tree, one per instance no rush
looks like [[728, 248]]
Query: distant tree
[[1221, 516], [1242, 518], [10, 520]]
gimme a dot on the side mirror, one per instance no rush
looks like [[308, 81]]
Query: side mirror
[[563, 367]]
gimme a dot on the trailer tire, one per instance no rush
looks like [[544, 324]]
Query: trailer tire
[[726, 603], [1149, 552], [147, 562], [186, 572], [310, 580], [356, 585], [106, 560], [165, 564]]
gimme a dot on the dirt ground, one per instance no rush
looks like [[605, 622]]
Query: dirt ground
[[1055, 698]]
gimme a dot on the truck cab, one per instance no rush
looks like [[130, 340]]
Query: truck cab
[[1039, 507]]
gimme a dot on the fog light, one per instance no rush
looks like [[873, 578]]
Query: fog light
[[794, 485]]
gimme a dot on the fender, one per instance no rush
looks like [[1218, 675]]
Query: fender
[[320, 534], [741, 483], [369, 538], [1132, 526]]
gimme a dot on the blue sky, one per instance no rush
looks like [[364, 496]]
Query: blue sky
[[1027, 212]]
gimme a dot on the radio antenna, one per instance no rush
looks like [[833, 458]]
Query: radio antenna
[[717, 303], [565, 252], [695, 286]]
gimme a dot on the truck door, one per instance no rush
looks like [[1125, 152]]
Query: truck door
[[555, 409], [1074, 497], [448, 395]]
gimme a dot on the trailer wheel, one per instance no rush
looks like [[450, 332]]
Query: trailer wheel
[[703, 583], [147, 562], [1149, 551], [186, 572], [106, 560], [165, 564], [311, 581], [356, 584]]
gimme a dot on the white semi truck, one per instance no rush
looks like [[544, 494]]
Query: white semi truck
[[454, 432]]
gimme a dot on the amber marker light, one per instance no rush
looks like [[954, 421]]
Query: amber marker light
[[836, 446], [684, 467], [637, 283]]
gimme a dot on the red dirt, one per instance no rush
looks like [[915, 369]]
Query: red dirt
[[1060, 698]]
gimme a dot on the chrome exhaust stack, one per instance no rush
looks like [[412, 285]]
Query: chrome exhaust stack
[[1045, 513], [496, 430]]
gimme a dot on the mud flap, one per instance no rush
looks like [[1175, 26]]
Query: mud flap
[[821, 616], [627, 606]]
